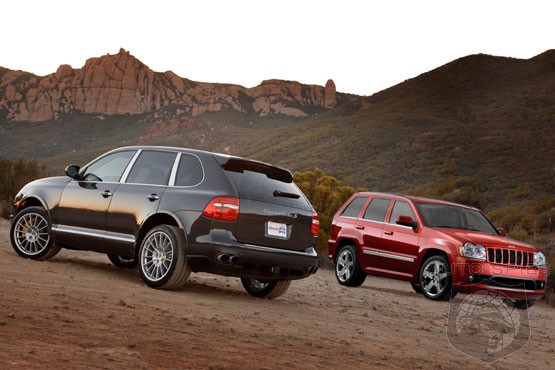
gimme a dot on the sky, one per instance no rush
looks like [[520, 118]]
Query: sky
[[364, 46]]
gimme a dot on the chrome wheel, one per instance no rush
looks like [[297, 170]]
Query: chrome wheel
[[345, 265], [347, 268], [265, 288], [257, 284], [435, 278], [157, 256], [31, 234]]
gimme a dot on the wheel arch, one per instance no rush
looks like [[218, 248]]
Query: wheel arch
[[31, 201], [343, 242], [427, 253], [160, 218]]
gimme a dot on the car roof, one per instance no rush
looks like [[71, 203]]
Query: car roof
[[222, 157], [415, 199]]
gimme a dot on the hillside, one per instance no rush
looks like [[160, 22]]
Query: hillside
[[478, 130]]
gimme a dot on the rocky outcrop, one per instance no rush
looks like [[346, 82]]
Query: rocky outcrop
[[121, 84]]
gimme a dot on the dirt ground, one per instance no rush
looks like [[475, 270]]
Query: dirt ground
[[77, 311]]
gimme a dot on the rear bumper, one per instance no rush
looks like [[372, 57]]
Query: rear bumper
[[220, 253]]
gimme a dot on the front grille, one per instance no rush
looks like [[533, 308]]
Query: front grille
[[510, 257]]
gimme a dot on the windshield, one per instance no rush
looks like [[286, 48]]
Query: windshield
[[453, 217]]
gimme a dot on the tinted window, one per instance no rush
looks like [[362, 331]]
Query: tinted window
[[152, 168], [259, 186], [400, 209], [189, 172], [353, 209], [377, 209], [439, 215], [109, 168]]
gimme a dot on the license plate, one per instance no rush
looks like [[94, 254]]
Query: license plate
[[276, 230]]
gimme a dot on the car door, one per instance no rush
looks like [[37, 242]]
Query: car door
[[80, 220], [371, 226], [138, 196], [400, 242]]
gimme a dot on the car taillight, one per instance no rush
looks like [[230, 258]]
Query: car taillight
[[222, 208], [315, 225]]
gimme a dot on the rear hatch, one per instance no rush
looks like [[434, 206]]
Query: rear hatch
[[273, 210]]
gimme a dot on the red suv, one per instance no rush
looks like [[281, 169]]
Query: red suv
[[441, 248]]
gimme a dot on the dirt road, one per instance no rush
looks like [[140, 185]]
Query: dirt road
[[77, 311]]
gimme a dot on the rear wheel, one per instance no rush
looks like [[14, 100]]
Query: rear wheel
[[30, 234], [162, 258], [119, 261], [265, 288], [435, 278], [347, 268]]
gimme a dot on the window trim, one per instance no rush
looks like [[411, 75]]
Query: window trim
[[173, 175]]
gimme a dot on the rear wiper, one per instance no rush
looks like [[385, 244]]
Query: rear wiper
[[279, 193]]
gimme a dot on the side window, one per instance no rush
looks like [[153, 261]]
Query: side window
[[189, 172], [353, 209], [377, 209], [109, 168], [400, 209], [152, 168]]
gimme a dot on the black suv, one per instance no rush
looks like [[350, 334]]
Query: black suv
[[172, 211]]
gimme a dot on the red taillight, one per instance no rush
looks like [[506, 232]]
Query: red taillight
[[315, 225], [222, 208]]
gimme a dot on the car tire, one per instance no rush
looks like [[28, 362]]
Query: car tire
[[347, 267], [265, 288], [31, 234], [119, 261], [435, 278], [521, 304], [162, 261], [416, 287]]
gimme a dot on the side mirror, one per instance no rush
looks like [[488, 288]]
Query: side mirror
[[502, 231], [73, 172], [406, 221]]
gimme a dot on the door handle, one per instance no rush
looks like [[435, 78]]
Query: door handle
[[153, 197], [388, 232], [106, 193], [360, 227]]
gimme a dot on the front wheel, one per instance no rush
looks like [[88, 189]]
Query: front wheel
[[265, 288], [31, 236], [162, 258], [347, 268], [435, 278]]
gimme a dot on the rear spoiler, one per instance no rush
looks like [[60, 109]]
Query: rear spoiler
[[235, 164]]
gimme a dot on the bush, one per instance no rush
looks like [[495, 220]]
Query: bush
[[326, 194], [13, 175]]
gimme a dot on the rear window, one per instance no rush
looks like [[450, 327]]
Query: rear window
[[353, 209], [264, 183]]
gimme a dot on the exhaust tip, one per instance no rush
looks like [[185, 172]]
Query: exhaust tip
[[312, 269], [223, 258], [234, 260]]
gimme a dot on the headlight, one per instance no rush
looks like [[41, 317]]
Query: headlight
[[473, 251], [539, 259]]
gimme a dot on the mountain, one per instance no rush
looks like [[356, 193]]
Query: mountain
[[479, 130], [121, 84]]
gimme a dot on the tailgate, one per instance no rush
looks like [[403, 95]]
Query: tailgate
[[273, 212]]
